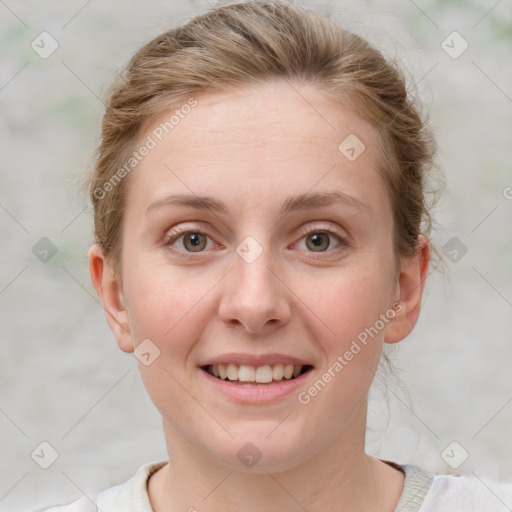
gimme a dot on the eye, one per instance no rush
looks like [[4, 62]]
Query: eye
[[321, 240], [189, 241], [317, 240]]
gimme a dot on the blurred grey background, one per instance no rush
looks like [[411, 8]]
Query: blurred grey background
[[63, 380]]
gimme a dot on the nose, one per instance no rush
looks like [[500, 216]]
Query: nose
[[254, 297]]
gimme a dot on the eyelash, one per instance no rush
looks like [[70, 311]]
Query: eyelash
[[175, 235]]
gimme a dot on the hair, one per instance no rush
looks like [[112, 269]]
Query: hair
[[255, 42]]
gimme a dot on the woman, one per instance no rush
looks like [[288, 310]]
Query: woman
[[262, 231]]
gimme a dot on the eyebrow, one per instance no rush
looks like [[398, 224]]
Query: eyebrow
[[294, 203]]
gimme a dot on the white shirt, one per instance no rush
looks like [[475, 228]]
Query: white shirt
[[423, 492]]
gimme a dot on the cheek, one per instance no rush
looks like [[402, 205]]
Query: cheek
[[346, 309], [165, 304], [170, 308], [348, 303]]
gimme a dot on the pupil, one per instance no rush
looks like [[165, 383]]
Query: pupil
[[318, 241], [194, 242], [194, 238]]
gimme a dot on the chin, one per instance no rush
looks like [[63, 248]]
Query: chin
[[259, 454]]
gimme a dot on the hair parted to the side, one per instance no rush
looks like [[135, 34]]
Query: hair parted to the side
[[258, 41]]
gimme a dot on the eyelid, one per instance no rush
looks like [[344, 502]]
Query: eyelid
[[187, 228], [325, 228]]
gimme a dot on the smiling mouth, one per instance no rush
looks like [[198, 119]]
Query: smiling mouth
[[248, 374]]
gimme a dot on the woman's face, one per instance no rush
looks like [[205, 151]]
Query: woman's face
[[252, 238]]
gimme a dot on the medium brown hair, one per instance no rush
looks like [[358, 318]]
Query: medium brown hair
[[248, 43]]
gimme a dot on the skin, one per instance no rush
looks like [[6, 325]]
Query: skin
[[252, 150]]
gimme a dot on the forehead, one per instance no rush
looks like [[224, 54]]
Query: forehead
[[275, 138], [256, 113]]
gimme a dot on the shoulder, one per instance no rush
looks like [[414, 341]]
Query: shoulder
[[426, 492], [452, 493], [130, 496]]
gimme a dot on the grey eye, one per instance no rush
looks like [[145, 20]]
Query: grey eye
[[318, 241], [194, 242]]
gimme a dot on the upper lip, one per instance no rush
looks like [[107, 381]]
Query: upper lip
[[256, 360]]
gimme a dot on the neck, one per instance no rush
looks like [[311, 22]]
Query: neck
[[341, 477]]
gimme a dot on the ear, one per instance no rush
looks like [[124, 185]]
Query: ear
[[107, 287], [411, 282]]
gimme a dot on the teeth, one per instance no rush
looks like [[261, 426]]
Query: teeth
[[261, 374], [232, 372], [278, 372], [246, 373], [288, 371]]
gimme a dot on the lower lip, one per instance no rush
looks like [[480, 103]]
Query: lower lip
[[256, 393]]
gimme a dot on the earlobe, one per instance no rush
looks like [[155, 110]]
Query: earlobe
[[109, 291], [411, 282]]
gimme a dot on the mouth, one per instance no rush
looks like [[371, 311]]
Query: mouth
[[268, 374]]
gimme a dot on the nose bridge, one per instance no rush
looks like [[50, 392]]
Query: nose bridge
[[254, 277], [254, 295]]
